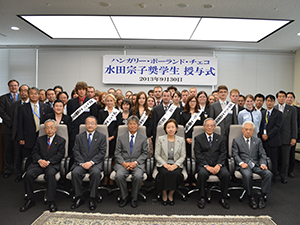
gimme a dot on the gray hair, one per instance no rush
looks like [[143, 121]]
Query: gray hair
[[208, 120], [51, 120], [248, 122], [134, 118]]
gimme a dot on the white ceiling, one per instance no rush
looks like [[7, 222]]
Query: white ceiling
[[285, 39]]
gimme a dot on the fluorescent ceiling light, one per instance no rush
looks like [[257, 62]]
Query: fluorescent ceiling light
[[226, 29], [74, 26], [155, 27], [152, 27]]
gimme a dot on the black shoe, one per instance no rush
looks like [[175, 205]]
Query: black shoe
[[134, 203], [164, 203], [171, 202], [291, 175], [6, 175], [92, 204], [28, 204], [284, 180], [252, 203], [78, 202], [18, 178], [124, 202], [201, 203], [52, 207], [99, 199], [224, 203], [261, 203]]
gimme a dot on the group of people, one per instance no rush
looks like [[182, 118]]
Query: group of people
[[24, 108]]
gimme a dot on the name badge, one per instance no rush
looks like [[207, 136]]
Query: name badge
[[230, 112], [87, 110]]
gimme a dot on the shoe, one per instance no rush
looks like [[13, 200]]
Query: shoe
[[92, 204], [171, 203], [252, 203], [78, 202], [284, 181], [99, 199], [291, 175], [124, 202], [224, 203], [261, 203], [6, 175], [18, 178], [201, 203], [52, 207], [134, 203], [164, 203], [28, 204]]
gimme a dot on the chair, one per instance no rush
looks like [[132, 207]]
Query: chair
[[121, 130], [212, 178], [106, 160], [62, 130], [236, 131], [180, 133]]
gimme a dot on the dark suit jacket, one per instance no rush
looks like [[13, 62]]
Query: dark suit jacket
[[288, 129], [140, 151], [113, 126], [96, 153], [185, 117], [273, 127], [241, 152], [72, 106], [26, 125], [298, 121], [205, 155], [231, 118], [5, 113], [14, 116], [64, 120], [55, 153]]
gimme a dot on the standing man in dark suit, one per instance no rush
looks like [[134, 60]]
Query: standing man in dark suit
[[164, 109], [290, 100], [158, 95], [130, 156], [89, 151], [5, 113], [218, 107], [30, 116], [47, 154], [288, 133], [24, 92], [234, 96], [51, 97], [250, 157], [259, 101], [78, 116], [270, 126], [211, 154]]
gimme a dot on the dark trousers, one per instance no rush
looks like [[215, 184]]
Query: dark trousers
[[33, 172], [292, 159], [78, 174], [8, 153], [18, 157], [272, 154], [248, 179], [223, 175], [284, 157]]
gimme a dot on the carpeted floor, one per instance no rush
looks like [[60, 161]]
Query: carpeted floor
[[48, 218], [282, 205]]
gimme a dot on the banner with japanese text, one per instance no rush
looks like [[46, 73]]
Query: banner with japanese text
[[159, 70]]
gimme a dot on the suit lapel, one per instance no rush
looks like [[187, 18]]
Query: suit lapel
[[165, 145], [127, 143], [177, 144], [94, 140], [54, 142]]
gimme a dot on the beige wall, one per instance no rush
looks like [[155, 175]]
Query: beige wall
[[297, 76]]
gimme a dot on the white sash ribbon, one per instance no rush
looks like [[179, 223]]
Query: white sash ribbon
[[192, 121], [112, 116], [143, 119], [167, 115], [224, 113], [82, 108]]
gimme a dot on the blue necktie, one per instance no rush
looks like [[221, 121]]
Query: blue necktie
[[90, 140], [248, 144], [131, 144], [210, 141]]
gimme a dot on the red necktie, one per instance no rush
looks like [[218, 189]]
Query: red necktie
[[158, 102], [48, 144]]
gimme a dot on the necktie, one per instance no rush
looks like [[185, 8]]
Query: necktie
[[210, 141], [165, 108], [14, 97], [267, 119], [90, 140], [36, 118], [48, 144], [158, 102], [81, 101], [131, 144], [223, 105], [248, 144]]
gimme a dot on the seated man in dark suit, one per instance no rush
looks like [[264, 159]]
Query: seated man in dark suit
[[130, 161], [250, 157], [89, 151], [47, 154], [210, 152]]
